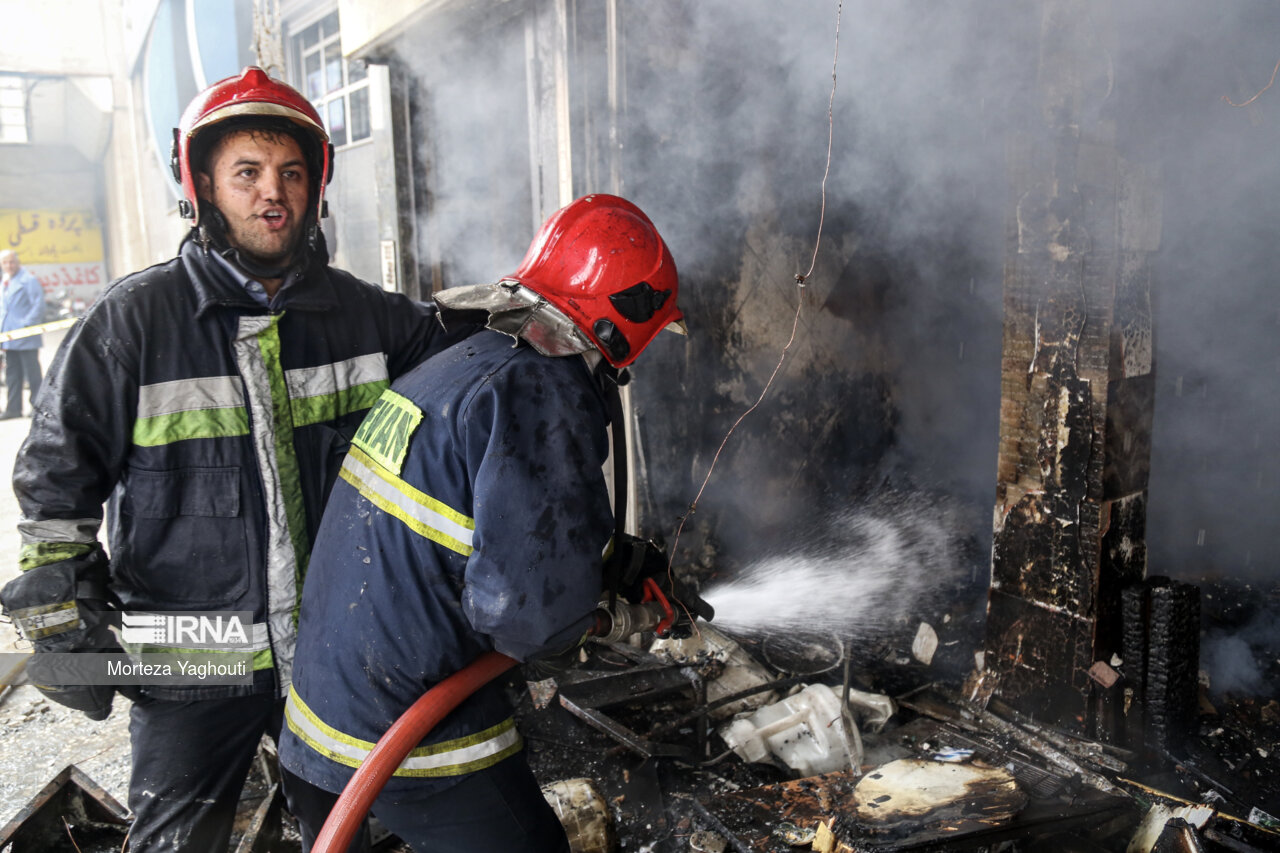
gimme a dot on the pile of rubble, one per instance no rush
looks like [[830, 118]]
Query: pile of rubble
[[715, 745]]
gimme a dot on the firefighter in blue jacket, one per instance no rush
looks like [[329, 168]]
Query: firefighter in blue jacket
[[472, 515], [211, 398]]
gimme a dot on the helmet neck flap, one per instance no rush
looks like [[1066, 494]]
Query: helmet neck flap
[[602, 265]]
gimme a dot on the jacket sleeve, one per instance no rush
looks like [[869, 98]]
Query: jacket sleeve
[[415, 333], [72, 458], [536, 444]]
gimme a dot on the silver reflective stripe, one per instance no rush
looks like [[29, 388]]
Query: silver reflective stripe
[[281, 560], [189, 395], [392, 490], [464, 755], [340, 376], [73, 530], [442, 759], [44, 620]]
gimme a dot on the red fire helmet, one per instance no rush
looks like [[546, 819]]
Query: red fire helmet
[[251, 93], [601, 261]]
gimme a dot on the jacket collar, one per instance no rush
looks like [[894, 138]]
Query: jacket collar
[[305, 288]]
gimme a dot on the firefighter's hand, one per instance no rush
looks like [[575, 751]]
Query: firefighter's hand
[[551, 665]]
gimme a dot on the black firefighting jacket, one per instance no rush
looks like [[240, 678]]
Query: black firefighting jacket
[[215, 428]]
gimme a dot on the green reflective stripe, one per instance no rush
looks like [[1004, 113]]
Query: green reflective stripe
[[328, 407], [38, 554], [180, 426], [422, 513], [286, 456], [262, 658], [447, 758], [45, 620]]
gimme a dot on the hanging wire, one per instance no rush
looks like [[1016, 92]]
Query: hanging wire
[[1260, 91], [800, 279]]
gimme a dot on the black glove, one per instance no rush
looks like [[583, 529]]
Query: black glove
[[551, 664], [632, 561], [63, 607]]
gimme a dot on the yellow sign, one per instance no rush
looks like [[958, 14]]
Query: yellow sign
[[54, 236]]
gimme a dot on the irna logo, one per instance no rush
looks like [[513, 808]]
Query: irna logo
[[185, 630]]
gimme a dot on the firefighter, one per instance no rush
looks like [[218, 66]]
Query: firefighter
[[472, 515], [211, 398]]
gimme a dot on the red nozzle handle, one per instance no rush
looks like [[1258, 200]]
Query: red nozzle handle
[[652, 592]]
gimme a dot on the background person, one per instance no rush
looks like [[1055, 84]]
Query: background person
[[21, 305], [211, 398]]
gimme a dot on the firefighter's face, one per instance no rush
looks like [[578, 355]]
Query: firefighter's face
[[259, 182]]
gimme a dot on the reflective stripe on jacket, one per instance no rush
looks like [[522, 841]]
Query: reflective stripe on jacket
[[445, 758], [470, 515], [216, 428]]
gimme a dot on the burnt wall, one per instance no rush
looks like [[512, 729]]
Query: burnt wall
[[891, 383]]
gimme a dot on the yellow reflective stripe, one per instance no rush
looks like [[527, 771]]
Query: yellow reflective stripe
[[423, 514], [447, 758]]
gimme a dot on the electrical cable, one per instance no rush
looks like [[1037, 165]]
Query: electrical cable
[[800, 279]]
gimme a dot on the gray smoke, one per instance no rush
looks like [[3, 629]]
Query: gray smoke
[[895, 376], [1236, 659]]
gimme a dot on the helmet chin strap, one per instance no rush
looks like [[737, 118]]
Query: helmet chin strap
[[254, 269], [213, 235]]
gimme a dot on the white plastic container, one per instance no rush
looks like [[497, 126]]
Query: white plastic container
[[803, 731], [741, 671]]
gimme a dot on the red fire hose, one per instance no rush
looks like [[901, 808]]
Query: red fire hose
[[406, 733]]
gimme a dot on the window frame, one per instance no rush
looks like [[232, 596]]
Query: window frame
[[342, 94], [14, 83]]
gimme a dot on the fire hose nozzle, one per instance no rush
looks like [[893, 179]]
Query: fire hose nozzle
[[616, 625]]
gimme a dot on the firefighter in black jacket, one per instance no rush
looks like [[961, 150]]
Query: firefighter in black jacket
[[211, 399]]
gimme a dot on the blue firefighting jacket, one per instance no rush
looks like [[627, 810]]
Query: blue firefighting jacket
[[216, 426], [471, 515]]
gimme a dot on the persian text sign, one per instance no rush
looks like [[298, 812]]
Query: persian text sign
[[53, 236], [75, 279]]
